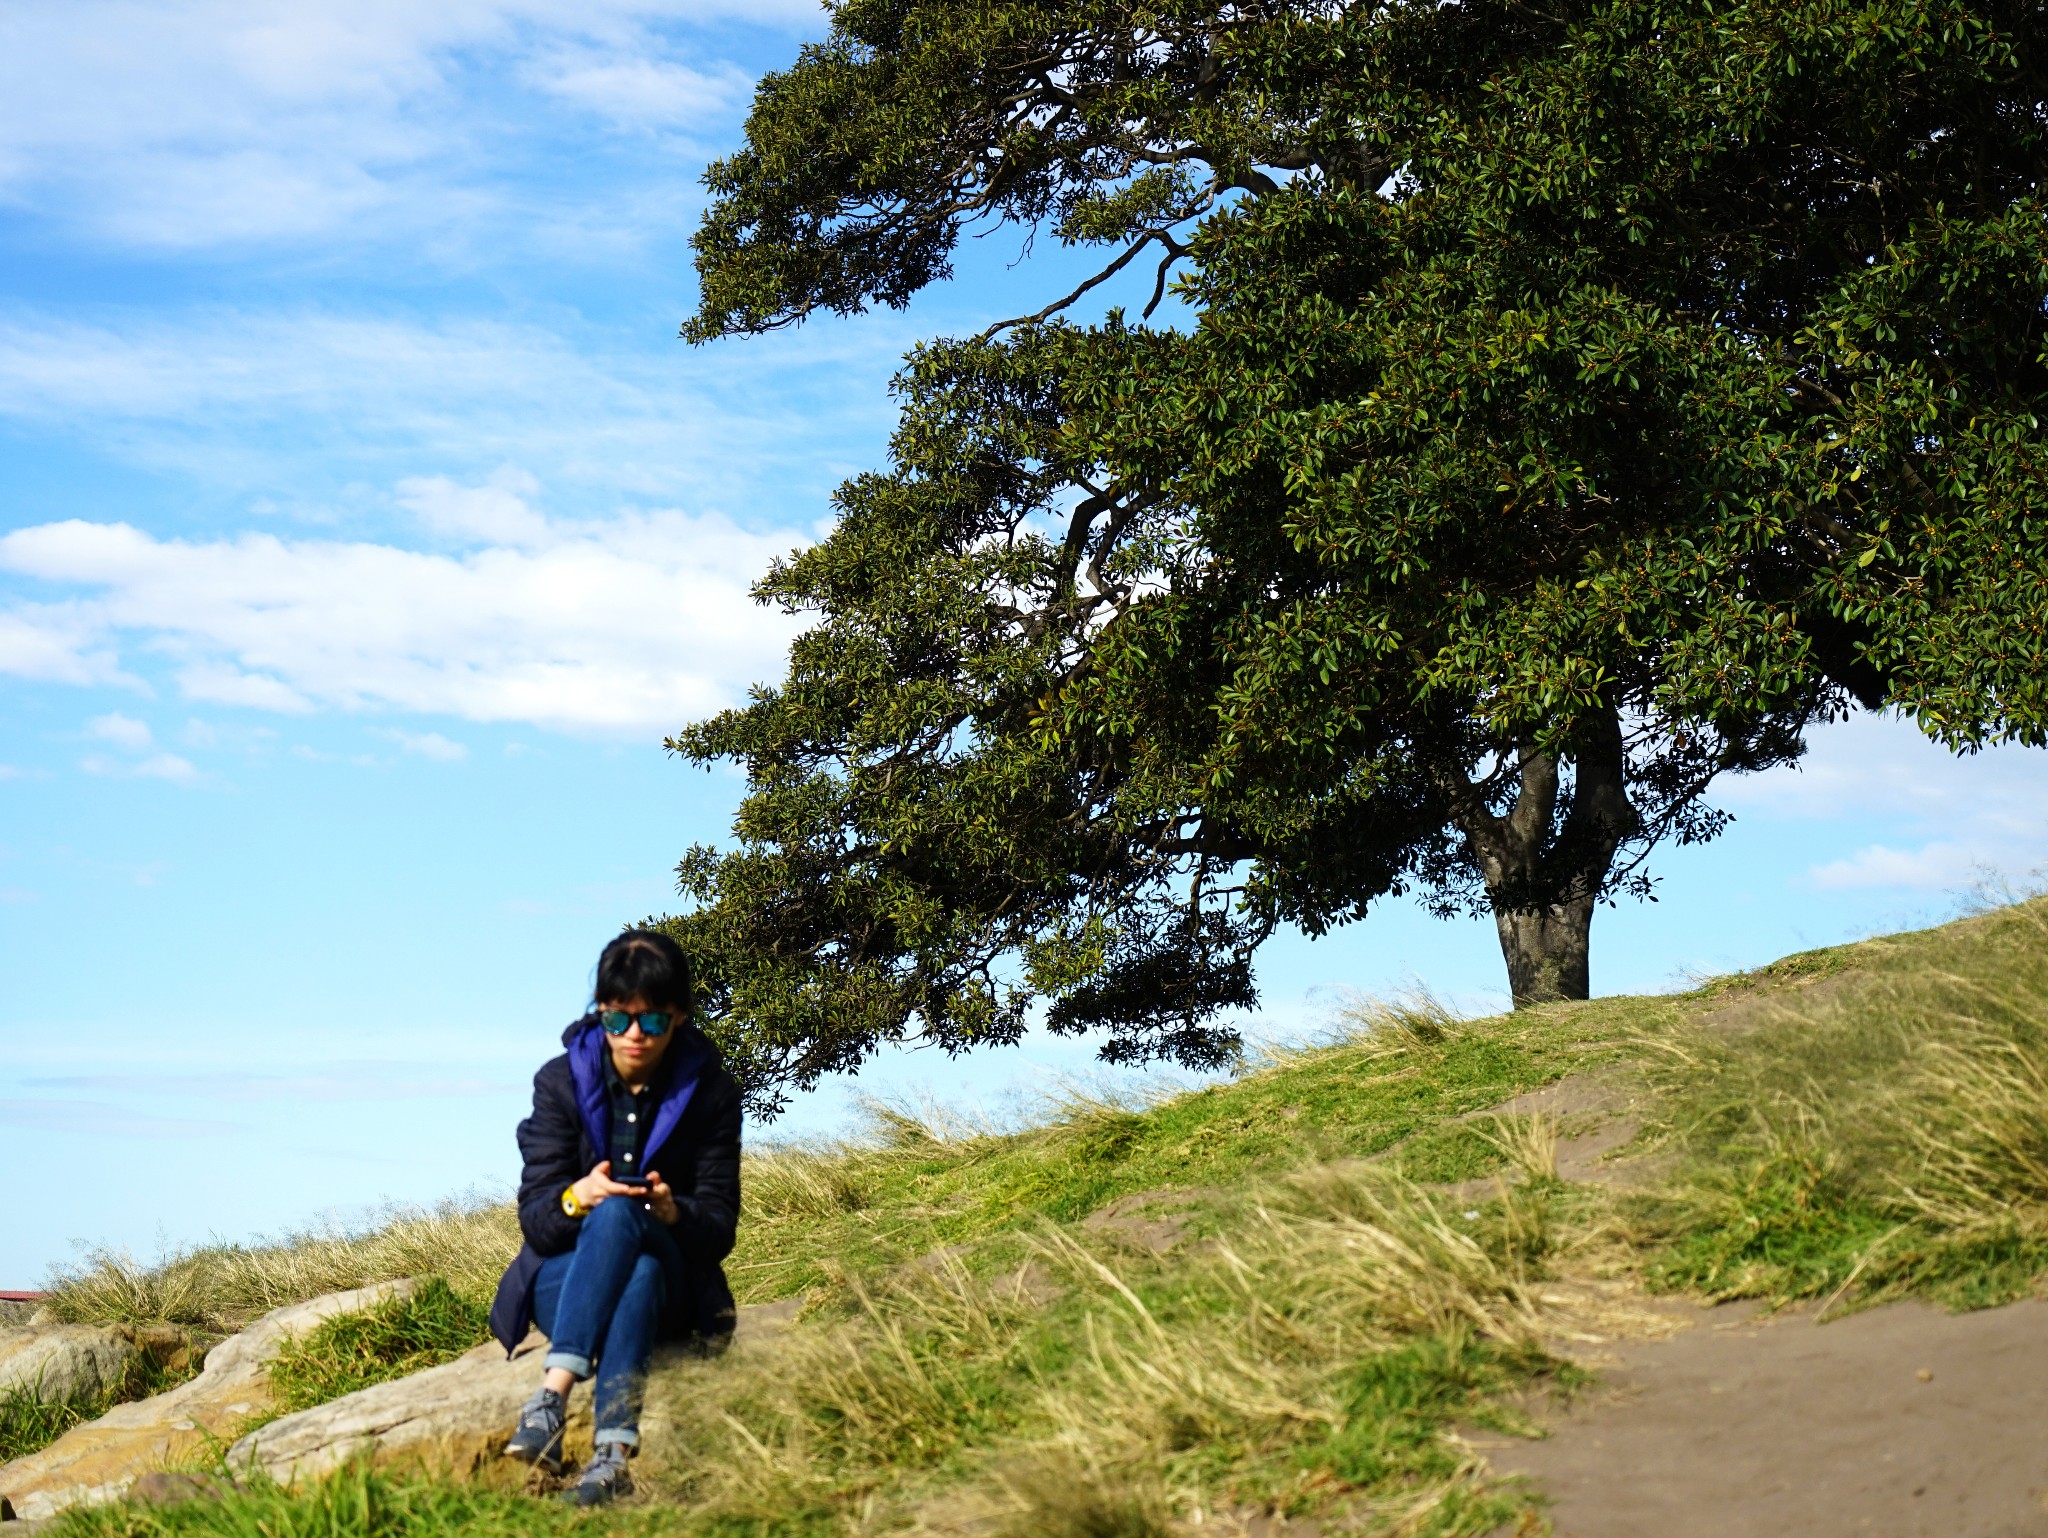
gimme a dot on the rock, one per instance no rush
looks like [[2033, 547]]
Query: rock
[[100, 1460], [65, 1362], [170, 1346], [451, 1419], [160, 1487]]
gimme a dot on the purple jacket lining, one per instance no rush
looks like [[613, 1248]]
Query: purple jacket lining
[[593, 1104]]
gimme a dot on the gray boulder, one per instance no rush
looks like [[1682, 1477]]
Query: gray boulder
[[450, 1419], [100, 1460], [65, 1362]]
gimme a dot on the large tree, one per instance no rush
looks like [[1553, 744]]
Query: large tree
[[1569, 402]]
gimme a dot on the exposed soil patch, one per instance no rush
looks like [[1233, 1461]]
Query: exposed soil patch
[[1903, 1421], [1596, 1118], [1746, 1010], [1588, 1158], [1582, 1095], [1143, 1220], [1263, 1525]]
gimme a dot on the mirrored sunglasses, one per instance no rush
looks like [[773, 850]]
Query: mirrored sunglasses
[[653, 1022]]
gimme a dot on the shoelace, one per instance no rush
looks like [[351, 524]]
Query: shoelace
[[538, 1411]]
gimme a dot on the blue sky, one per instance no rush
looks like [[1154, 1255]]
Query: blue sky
[[363, 528]]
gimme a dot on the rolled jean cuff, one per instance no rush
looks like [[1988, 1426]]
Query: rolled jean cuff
[[577, 1367], [625, 1436]]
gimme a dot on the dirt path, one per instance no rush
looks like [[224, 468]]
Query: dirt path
[[1903, 1421]]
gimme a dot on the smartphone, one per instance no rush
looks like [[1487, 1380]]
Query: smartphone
[[638, 1181]]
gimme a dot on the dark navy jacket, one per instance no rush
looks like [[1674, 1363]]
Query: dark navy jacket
[[693, 1141]]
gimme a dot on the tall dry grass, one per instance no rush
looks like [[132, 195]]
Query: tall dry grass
[[1879, 1129], [798, 1182], [220, 1287], [971, 1365], [1413, 1016], [1099, 1413]]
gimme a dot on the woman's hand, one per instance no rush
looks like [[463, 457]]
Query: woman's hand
[[661, 1201], [597, 1185]]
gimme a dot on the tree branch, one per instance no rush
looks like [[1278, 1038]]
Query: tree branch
[[1057, 305]]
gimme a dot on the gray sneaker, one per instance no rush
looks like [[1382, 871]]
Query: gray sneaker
[[538, 1438], [604, 1477]]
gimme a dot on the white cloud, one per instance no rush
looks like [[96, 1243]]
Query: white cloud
[[382, 373], [631, 624], [497, 512], [430, 745], [1885, 765], [222, 683], [1948, 820], [166, 766], [271, 401], [135, 739], [53, 641], [122, 731], [158, 766], [1938, 866], [194, 122], [633, 91]]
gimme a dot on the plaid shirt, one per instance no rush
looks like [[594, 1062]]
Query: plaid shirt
[[630, 1111]]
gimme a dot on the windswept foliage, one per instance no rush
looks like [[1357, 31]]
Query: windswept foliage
[[1577, 401], [1262, 1298], [219, 1288]]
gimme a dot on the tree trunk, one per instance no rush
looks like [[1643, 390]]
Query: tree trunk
[[1548, 951], [1543, 879]]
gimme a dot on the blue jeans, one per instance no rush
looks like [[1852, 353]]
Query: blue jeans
[[602, 1303]]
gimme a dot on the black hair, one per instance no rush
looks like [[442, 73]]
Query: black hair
[[645, 964]]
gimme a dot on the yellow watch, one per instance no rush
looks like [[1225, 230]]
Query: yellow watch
[[569, 1203]]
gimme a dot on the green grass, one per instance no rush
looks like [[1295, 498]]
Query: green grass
[[355, 1503], [29, 1422], [817, 1215], [1320, 1351], [401, 1335], [1884, 1136], [1848, 1125]]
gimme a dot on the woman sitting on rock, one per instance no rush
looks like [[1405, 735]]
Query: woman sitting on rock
[[629, 1200]]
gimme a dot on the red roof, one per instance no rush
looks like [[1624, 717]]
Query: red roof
[[21, 1297]]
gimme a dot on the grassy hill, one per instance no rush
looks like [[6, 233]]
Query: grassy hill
[[1285, 1294]]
